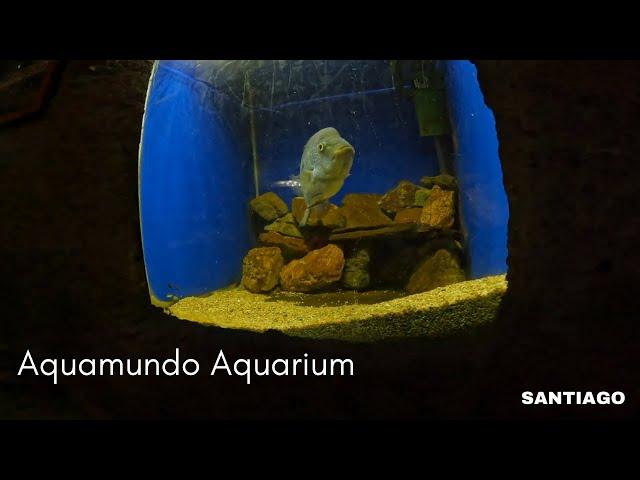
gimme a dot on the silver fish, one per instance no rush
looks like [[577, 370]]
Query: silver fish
[[325, 163]]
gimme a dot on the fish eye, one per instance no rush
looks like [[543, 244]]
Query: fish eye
[[321, 147]]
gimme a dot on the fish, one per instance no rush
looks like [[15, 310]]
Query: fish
[[325, 164]]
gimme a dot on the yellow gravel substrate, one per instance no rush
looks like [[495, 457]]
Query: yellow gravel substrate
[[350, 316]]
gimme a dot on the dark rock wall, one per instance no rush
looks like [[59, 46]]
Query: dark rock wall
[[69, 187], [73, 277], [569, 144], [71, 261]]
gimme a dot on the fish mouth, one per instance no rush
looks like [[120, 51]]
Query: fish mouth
[[344, 150]]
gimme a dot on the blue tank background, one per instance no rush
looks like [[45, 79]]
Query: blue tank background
[[194, 180], [483, 201], [381, 126], [196, 172]]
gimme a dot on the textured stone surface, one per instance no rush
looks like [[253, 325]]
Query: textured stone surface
[[285, 225], [421, 196], [315, 271], [437, 270], [333, 218], [439, 209], [269, 206], [327, 215], [291, 247], [569, 150], [350, 198], [408, 215], [298, 206], [363, 211], [356, 268], [261, 269], [390, 230], [445, 182], [403, 196]]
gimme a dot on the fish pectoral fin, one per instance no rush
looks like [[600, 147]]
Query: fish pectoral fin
[[306, 176], [305, 217]]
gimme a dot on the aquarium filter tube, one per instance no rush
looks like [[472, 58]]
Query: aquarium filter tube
[[252, 129]]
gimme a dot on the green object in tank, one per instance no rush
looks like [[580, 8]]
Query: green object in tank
[[427, 91], [431, 111]]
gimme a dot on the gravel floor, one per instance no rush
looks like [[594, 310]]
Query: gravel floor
[[366, 316]]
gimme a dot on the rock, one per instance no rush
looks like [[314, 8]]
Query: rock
[[356, 269], [363, 211], [421, 197], [391, 230], [351, 198], [316, 270], [285, 225], [261, 269], [437, 270], [328, 216], [445, 182], [438, 243], [408, 215], [291, 247], [439, 209], [403, 196], [269, 206], [333, 218], [298, 206]]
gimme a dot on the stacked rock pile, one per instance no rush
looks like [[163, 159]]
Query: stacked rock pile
[[406, 238]]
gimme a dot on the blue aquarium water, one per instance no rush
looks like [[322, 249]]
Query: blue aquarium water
[[216, 133]]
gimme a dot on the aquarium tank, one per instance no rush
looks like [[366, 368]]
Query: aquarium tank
[[357, 199]]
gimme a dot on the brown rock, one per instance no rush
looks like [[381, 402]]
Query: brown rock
[[316, 270], [438, 243], [291, 247], [363, 211], [391, 230], [439, 209], [421, 197], [333, 218], [327, 215], [269, 206], [403, 196], [298, 206], [436, 270], [356, 268], [408, 215], [351, 198], [285, 225], [261, 269], [445, 182]]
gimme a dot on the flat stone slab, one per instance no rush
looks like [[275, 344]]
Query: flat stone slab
[[391, 230], [354, 234]]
